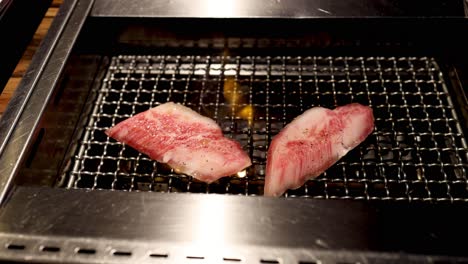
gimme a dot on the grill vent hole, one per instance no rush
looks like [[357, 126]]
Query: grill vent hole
[[86, 251], [16, 247], [269, 261], [195, 257], [232, 259], [159, 255], [122, 253], [308, 262], [50, 249]]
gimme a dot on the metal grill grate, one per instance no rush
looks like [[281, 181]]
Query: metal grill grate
[[416, 152]]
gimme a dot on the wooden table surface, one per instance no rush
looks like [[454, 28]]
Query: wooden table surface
[[28, 54]]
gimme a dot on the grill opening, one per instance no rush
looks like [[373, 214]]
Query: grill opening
[[86, 251], [159, 255], [195, 257], [16, 247], [50, 249], [417, 150], [269, 261], [119, 253], [232, 259]]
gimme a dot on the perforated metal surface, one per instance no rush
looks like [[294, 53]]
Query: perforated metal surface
[[416, 152]]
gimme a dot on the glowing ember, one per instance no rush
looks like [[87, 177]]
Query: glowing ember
[[242, 174], [247, 113]]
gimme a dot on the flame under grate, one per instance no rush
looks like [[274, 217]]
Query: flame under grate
[[416, 152]]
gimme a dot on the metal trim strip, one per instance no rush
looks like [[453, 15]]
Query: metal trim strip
[[22, 115]]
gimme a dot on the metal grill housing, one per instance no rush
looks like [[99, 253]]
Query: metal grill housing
[[416, 152]]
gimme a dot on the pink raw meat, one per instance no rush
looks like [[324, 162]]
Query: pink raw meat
[[312, 143], [188, 142]]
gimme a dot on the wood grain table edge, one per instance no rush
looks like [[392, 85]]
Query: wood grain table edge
[[25, 60]]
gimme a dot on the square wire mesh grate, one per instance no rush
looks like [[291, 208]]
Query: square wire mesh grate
[[416, 152]]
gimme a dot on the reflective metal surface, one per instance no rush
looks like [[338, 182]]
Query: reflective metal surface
[[278, 8], [178, 227], [205, 220], [38, 83]]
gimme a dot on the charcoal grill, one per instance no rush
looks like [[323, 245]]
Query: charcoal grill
[[72, 194]]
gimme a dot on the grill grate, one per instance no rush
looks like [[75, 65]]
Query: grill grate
[[416, 152]]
